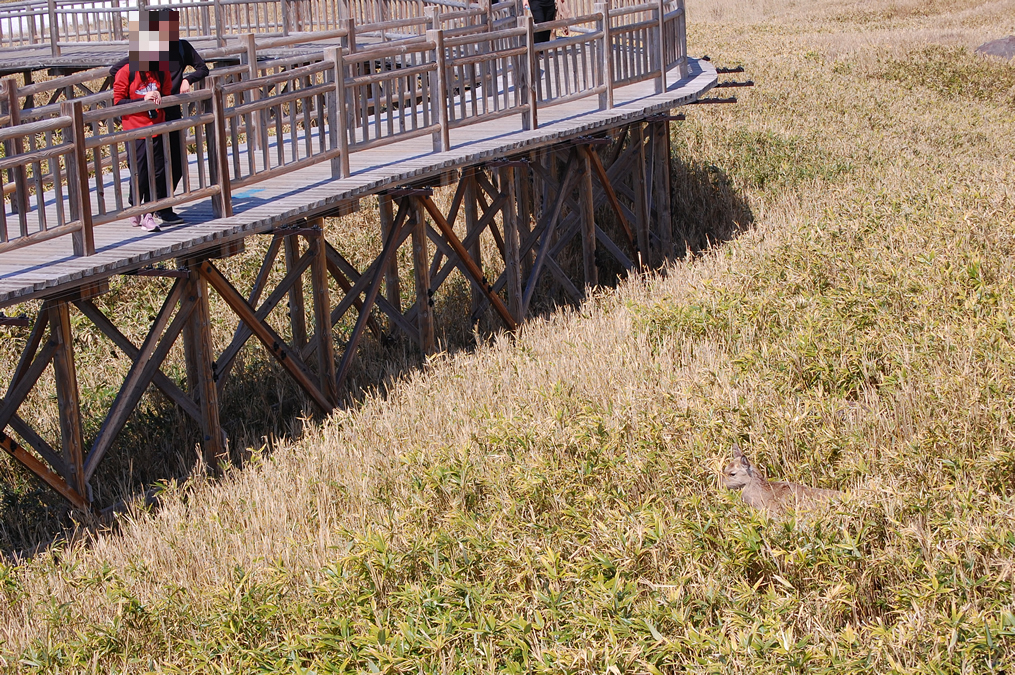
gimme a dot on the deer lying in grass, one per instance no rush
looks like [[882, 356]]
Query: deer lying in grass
[[773, 496]]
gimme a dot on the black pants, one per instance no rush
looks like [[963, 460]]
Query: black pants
[[175, 147], [543, 12], [141, 170]]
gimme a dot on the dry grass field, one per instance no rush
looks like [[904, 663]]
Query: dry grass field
[[551, 502]]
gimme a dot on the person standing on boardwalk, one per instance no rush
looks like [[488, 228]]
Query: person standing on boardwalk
[[543, 11], [180, 55], [145, 78]]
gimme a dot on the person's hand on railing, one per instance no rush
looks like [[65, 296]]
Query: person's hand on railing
[[184, 86], [153, 96]]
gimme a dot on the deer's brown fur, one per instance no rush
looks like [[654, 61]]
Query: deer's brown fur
[[773, 496]]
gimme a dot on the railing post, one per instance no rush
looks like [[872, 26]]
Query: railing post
[[250, 55], [660, 52], [338, 118], [286, 18], [20, 199], [350, 35], [487, 7], [116, 18], [530, 92], [222, 205], [439, 92], [54, 29], [219, 27], [77, 176], [682, 39], [606, 57]]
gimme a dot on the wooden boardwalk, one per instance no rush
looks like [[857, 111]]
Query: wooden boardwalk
[[539, 139], [46, 268]]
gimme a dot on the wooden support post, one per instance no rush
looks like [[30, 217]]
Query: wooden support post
[[421, 265], [661, 187], [67, 395], [297, 306], [523, 221], [212, 435], [512, 244], [588, 219], [322, 317], [471, 225], [392, 285], [641, 198]]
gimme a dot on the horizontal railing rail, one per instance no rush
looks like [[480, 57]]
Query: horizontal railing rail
[[58, 24], [69, 166]]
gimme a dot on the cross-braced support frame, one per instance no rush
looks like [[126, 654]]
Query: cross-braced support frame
[[514, 226]]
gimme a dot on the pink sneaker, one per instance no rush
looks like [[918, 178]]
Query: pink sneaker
[[148, 223], [135, 221]]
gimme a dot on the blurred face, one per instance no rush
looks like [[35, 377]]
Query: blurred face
[[145, 41], [151, 38]]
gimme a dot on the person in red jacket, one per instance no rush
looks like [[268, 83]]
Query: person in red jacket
[[145, 78]]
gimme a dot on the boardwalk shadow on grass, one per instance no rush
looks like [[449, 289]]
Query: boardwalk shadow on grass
[[261, 404]]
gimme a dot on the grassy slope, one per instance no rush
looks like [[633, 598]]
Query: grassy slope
[[551, 503]]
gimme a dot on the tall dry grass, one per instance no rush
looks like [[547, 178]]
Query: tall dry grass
[[550, 502]]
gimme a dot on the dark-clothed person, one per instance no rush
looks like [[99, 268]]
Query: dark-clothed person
[[136, 83], [542, 11], [181, 54]]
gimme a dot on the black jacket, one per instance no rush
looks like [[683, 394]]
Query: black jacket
[[188, 57]]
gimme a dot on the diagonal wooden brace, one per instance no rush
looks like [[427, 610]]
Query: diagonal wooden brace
[[265, 333], [469, 266]]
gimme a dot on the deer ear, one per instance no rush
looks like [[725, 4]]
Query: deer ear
[[737, 452], [745, 462]]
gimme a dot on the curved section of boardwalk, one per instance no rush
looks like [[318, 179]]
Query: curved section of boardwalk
[[47, 268]]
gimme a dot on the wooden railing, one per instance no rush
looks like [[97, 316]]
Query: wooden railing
[[67, 165], [58, 24]]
